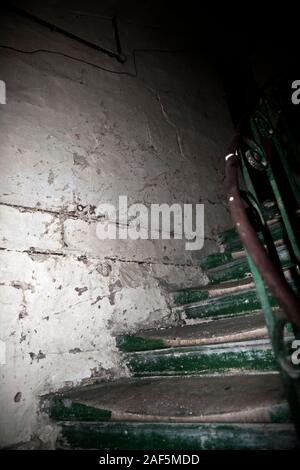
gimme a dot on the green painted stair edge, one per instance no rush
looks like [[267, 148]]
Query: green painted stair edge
[[224, 268], [229, 305], [234, 270], [176, 437], [254, 355], [215, 259], [270, 213], [133, 343], [231, 242], [62, 408], [188, 296], [138, 342], [226, 305]]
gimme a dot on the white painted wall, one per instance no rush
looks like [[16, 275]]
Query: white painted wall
[[71, 137]]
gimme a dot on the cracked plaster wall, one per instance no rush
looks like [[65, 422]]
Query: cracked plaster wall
[[73, 136]]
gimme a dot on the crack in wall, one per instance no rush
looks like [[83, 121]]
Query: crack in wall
[[48, 253], [168, 120], [82, 212]]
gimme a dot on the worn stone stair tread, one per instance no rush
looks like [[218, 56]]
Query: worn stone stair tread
[[227, 305], [233, 357], [186, 295], [213, 301], [233, 243], [229, 239], [235, 250], [238, 268], [196, 306], [271, 214], [225, 330], [233, 399], [177, 436]]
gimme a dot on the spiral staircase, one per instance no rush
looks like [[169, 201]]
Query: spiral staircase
[[222, 377]]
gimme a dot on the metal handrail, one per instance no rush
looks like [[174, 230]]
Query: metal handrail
[[268, 270], [264, 262]]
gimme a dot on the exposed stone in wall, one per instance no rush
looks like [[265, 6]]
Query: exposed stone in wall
[[71, 137]]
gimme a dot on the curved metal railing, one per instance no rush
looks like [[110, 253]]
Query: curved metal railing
[[263, 152], [272, 276]]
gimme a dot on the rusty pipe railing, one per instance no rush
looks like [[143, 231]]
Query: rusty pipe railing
[[268, 270]]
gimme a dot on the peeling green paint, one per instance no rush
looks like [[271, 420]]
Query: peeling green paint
[[227, 305], [227, 235], [276, 230], [176, 437], [237, 303], [269, 213], [185, 296], [128, 343], [239, 268], [214, 260], [280, 413], [234, 270], [251, 355]]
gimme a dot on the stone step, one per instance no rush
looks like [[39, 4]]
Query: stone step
[[236, 250], [220, 302], [255, 398], [231, 357], [243, 328], [224, 267], [230, 241], [209, 291], [271, 214], [176, 436], [226, 305]]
